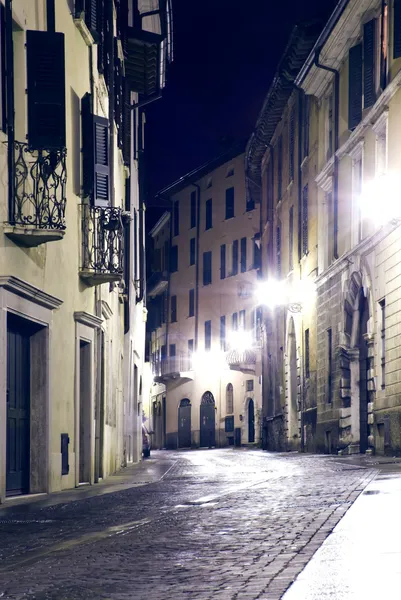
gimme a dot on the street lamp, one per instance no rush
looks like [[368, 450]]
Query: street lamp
[[379, 200], [273, 293]]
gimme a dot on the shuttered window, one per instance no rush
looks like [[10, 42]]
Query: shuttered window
[[397, 29], [292, 145], [118, 95], [193, 209], [126, 124], [207, 268], [192, 251], [90, 11], [306, 108], [243, 255], [223, 261], [191, 303], [208, 335], [291, 239], [305, 224], [355, 86], [223, 333], [234, 270], [3, 83], [369, 63], [209, 222], [95, 160], [279, 167], [278, 251], [46, 89], [234, 321], [230, 203]]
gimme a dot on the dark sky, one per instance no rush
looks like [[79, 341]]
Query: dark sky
[[225, 55]]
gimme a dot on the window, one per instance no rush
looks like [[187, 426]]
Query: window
[[230, 203], [307, 362], [208, 335], [207, 268], [291, 239], [191, 302], [95, 155], [305, 225], [278, 251], [270, 188], [3, 81], [257, 325], [384, 45], [382, 305], [369, 63], [229, 399], [223, 333], [249, 385], [223, 261], [330, 126], [279, 167], [242, 319], [176, 219], [172, 350], [190, 347], [235, 321], [173, 309], [46, 92], [355, 86], [306, 108], [330, 227], [192, 251], [193, 210], [208, 214], [380, 129], [243, 255], [356, 194], [256, 254], [234, 270], [174, 259], [291, 136], [397, 29], [163, 352], [329, 365]]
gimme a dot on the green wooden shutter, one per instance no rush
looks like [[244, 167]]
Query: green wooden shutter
[[369, 63], [46, 89], [397, 29], [355, 86]]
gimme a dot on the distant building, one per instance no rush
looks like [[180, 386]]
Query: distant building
[[204, 327], [73, 76]]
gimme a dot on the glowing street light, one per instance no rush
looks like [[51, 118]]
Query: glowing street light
[[240, 340], [273, 293], [379, 200]]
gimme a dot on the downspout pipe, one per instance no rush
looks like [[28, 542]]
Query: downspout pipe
[[197, 187], [9, 60], [336, 73]]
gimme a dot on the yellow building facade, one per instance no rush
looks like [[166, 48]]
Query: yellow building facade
[[72, 326]]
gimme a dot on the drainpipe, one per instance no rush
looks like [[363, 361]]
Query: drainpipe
[[197, 267], [336, 142], [9, 60]]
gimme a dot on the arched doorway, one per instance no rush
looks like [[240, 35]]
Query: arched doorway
[[207, 421], [184, 424], [363, 373], [292, 384], [251, 421]]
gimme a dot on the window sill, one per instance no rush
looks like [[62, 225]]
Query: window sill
[[84, 31]]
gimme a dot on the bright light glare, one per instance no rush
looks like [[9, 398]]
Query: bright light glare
[[379, 200], [240, 340], [272, 293], [303, 292], [212, 362]]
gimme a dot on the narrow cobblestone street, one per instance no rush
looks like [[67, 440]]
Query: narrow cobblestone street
[[208, 524]]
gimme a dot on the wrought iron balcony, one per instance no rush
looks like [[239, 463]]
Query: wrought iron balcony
[[157, 283], [102, 244], [172, 367], [37, 213], [243, 360]]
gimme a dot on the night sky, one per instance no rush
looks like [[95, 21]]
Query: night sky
[[225, 55]]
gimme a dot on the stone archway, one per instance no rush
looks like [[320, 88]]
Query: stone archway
[[355, 357], [292, 387]]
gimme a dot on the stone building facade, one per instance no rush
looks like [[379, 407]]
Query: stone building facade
[[72, 313], [349, 80], [203, 323]]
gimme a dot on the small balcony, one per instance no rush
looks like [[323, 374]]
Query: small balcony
[[102, 244], [173, 368], [37, 211], [157, 283], [243, 360]]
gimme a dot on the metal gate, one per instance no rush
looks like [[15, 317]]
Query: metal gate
[[251, 421], [184, 424], [18, 408], [207, 421]]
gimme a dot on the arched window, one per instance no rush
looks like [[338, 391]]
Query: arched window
[[229, 399]]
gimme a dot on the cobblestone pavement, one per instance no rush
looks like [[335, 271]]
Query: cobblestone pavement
[[222, 524]]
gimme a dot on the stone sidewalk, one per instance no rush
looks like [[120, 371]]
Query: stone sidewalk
[[362, 556]]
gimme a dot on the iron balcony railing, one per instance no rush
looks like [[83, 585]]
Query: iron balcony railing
[[172, 364], [40, 179], [102, 241]]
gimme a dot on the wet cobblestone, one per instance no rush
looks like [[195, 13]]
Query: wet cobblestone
[[222, 524]]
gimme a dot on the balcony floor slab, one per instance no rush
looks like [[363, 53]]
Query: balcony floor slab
[[30, 237]]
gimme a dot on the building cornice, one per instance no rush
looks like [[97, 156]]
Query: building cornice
[[26, 290], [88, 319]]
